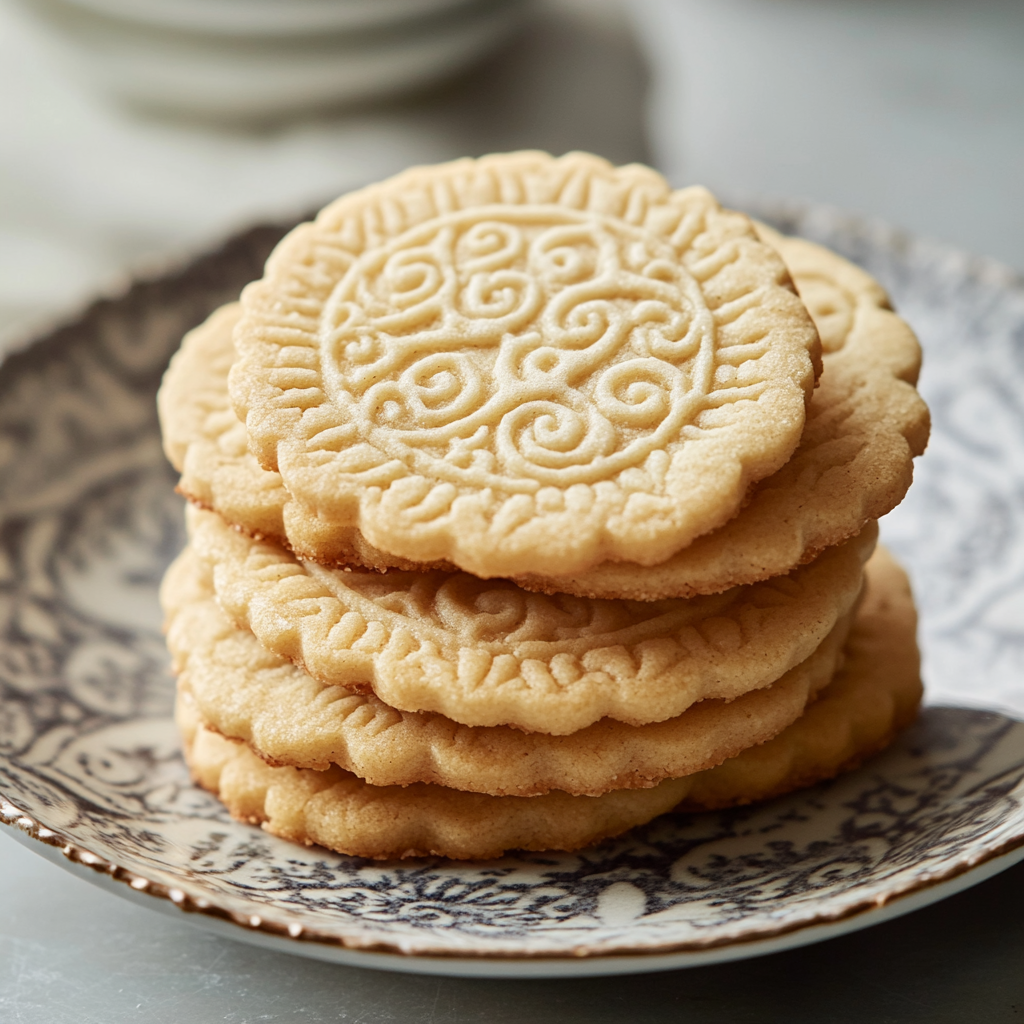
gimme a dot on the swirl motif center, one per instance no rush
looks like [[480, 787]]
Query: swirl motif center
[[538, 346]]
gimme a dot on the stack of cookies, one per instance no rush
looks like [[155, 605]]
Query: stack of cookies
[[529, 499]]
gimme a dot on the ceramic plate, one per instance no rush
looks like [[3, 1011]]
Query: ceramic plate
[[90, 773]]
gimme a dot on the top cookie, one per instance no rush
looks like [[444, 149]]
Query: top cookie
[[524, 364], [854, 463]]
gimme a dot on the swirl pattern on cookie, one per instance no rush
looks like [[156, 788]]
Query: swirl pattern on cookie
[[486, 652], [289, 718], [524, 363]]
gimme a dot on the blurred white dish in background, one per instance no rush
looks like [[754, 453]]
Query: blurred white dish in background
[[264, 59], [266, 17]]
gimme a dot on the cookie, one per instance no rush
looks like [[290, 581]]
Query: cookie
[[524, 364], [875, 694], [203, 438], [485, 652], [866, 423], [206, 442], [338, 810], [244, 692], [873, 697], [854, 464]]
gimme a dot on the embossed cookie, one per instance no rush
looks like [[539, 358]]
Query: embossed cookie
[[873, 697], [244, 692], [485, 652], [875, 694], [854, 463], [338, 810], [204, 439], [206, 442], [524, 364]]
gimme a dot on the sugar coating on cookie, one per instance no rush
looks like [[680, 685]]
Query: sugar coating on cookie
[[854, 463], [875, 694], [289, 718], [485, 652], [522, 363]]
